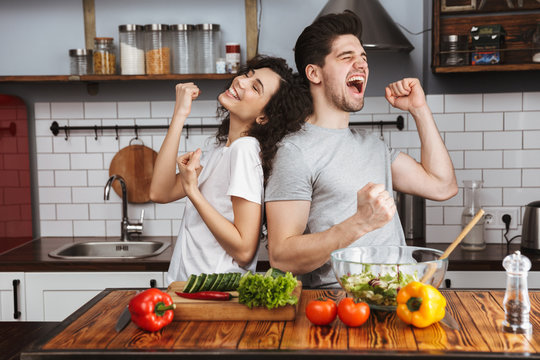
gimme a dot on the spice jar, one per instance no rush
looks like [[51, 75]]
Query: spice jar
[[157, 47], [183, 49], [80, 61], [131, 49], [209, 47], [104, 56], [232, 57]]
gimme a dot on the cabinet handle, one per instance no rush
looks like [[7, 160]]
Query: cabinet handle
[[153, 283], [16, 312], [448, 283]]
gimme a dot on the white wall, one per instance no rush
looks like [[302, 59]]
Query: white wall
[[491, 137]]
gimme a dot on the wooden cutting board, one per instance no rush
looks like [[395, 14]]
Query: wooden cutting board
[[135, 163], [208, 310]]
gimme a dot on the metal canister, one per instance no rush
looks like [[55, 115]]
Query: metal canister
[[412, 214], [80, 61], [454, 50]]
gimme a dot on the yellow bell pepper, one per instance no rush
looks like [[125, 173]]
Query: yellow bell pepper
[[420, 304]]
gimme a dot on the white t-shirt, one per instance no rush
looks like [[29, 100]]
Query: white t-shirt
[[227, 171]]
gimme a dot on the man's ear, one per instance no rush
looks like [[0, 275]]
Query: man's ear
[[313, 73], [261, 120]]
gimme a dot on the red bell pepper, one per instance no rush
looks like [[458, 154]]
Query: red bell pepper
[[151, 309]]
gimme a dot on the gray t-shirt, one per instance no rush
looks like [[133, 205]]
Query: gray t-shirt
[[328, 167]]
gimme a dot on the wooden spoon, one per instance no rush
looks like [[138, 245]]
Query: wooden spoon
[[431, 268]]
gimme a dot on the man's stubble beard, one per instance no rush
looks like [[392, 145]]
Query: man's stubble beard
[[342, 103]]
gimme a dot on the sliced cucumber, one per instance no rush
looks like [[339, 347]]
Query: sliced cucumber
[[230, 281], [223, 283], [236, 283], [207, 284], [190, 282], [215, 284], [198, 284]]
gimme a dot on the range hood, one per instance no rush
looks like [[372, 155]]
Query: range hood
[[379, 31]]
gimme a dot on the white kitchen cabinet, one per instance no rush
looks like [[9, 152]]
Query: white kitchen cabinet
[[486, 279], [53, 296], [12, 297]]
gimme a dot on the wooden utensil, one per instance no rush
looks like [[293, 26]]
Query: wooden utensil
[[135, 163], [432, 267]]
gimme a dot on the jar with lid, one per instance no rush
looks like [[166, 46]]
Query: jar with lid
[[209, 45], [131, 49], [232, 57], [183, 49], [454, 50], [157, 49], [104, 56], [80, 61]]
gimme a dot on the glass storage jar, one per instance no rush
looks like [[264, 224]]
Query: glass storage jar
[[183, 49], [80, 61], [158, 49], [104, 56], [131, 49], [209, 45]]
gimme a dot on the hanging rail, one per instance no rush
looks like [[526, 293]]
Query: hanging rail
[[55, 128]]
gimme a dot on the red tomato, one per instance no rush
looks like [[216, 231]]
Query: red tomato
[[322, 311], [351, 313]]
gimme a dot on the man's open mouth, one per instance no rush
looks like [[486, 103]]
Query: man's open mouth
[[356, 82]]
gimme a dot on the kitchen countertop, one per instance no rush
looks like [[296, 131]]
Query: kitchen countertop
[[33, 257], [89, 333]]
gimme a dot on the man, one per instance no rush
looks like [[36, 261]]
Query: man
[[331, 187]]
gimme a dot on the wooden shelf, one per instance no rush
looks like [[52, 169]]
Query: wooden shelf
[[106, 78], [480, 68], [519, 26]]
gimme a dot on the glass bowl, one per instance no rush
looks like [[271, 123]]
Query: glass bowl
[[374, 274]]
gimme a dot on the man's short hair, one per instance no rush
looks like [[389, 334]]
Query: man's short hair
[[315, 42]]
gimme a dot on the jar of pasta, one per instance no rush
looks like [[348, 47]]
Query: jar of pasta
[[157, 49], [104, 56]]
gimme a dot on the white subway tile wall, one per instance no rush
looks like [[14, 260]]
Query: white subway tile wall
[[490, 137]]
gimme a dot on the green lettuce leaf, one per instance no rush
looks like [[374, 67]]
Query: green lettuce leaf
[[271, 290]]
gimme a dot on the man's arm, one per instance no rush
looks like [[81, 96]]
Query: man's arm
[[290, 250], [434, 176]]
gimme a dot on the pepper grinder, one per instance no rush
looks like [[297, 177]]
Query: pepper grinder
[[516, 299]]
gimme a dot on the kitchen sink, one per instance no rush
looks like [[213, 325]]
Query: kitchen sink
[[110, 250]]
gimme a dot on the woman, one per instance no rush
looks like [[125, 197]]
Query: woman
[[225, 189]]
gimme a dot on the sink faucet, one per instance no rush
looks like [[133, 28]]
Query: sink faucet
[[126, 228]]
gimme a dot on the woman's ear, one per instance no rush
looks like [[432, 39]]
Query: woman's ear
[[261, 120], [313, 73]]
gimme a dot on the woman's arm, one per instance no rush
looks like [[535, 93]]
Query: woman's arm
[[166, 185], [238, 239]]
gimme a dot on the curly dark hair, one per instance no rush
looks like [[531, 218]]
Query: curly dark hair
[[286, 110], [315, 42]]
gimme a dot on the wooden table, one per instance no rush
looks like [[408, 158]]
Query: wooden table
[[89, 333]]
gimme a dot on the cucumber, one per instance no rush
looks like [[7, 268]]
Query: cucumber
[[222, 286], [236, 283], [200, 280], [190, 283], [230, 282], [207, 284], [214, 286]]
